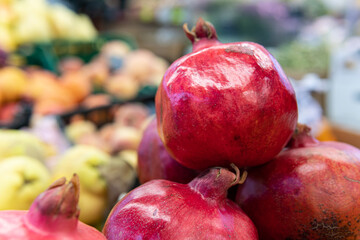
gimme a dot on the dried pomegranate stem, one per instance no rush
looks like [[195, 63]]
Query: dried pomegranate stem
[[202, 30], [239, 179]]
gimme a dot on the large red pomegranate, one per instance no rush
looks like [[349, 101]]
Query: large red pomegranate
[[224, 103], [161, 209], [311, 190], [154, 162]]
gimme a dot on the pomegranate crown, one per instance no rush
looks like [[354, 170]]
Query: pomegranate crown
[[302, 137], [61, 198], [202, 29], [56, 208]]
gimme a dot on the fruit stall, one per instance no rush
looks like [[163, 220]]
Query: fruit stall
[[175, 120]]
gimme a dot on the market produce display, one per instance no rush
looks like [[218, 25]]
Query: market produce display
[[304, 190], [53, 215], [114, 74], [209, 147], [224, 103], [104, 158]]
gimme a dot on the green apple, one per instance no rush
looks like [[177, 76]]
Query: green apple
[[86, 161], [22, 179]]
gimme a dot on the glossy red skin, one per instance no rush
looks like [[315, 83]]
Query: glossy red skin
[[13, 226], [228, 103], [306, 193], [162, 209], [154, 162]]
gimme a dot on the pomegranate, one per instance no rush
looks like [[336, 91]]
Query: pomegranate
[[154, 162], [224, 103], [161, 209], [311, 190], [53, 215]]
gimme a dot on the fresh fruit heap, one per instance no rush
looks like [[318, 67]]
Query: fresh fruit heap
[[230, 106], [24, 21], [224, 158], [117, 72], [28, 164]]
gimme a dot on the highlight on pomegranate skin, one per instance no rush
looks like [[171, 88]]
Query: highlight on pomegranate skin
[[53, 215], [161, 209], [310, 190], [224, 103]]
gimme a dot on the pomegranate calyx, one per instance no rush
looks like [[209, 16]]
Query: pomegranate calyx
[[63, 198], [302, 129], [202, 30], [302, 137], [57, 207]]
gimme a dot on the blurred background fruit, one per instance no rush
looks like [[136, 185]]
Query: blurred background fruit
[[12, 83], [22, 179], [86, 161], [21, 143]]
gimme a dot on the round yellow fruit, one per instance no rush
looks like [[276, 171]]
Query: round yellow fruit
[[21, 143], [86, 161], [22, 179]]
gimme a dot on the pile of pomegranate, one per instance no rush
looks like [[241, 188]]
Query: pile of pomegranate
[[225, 157]]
